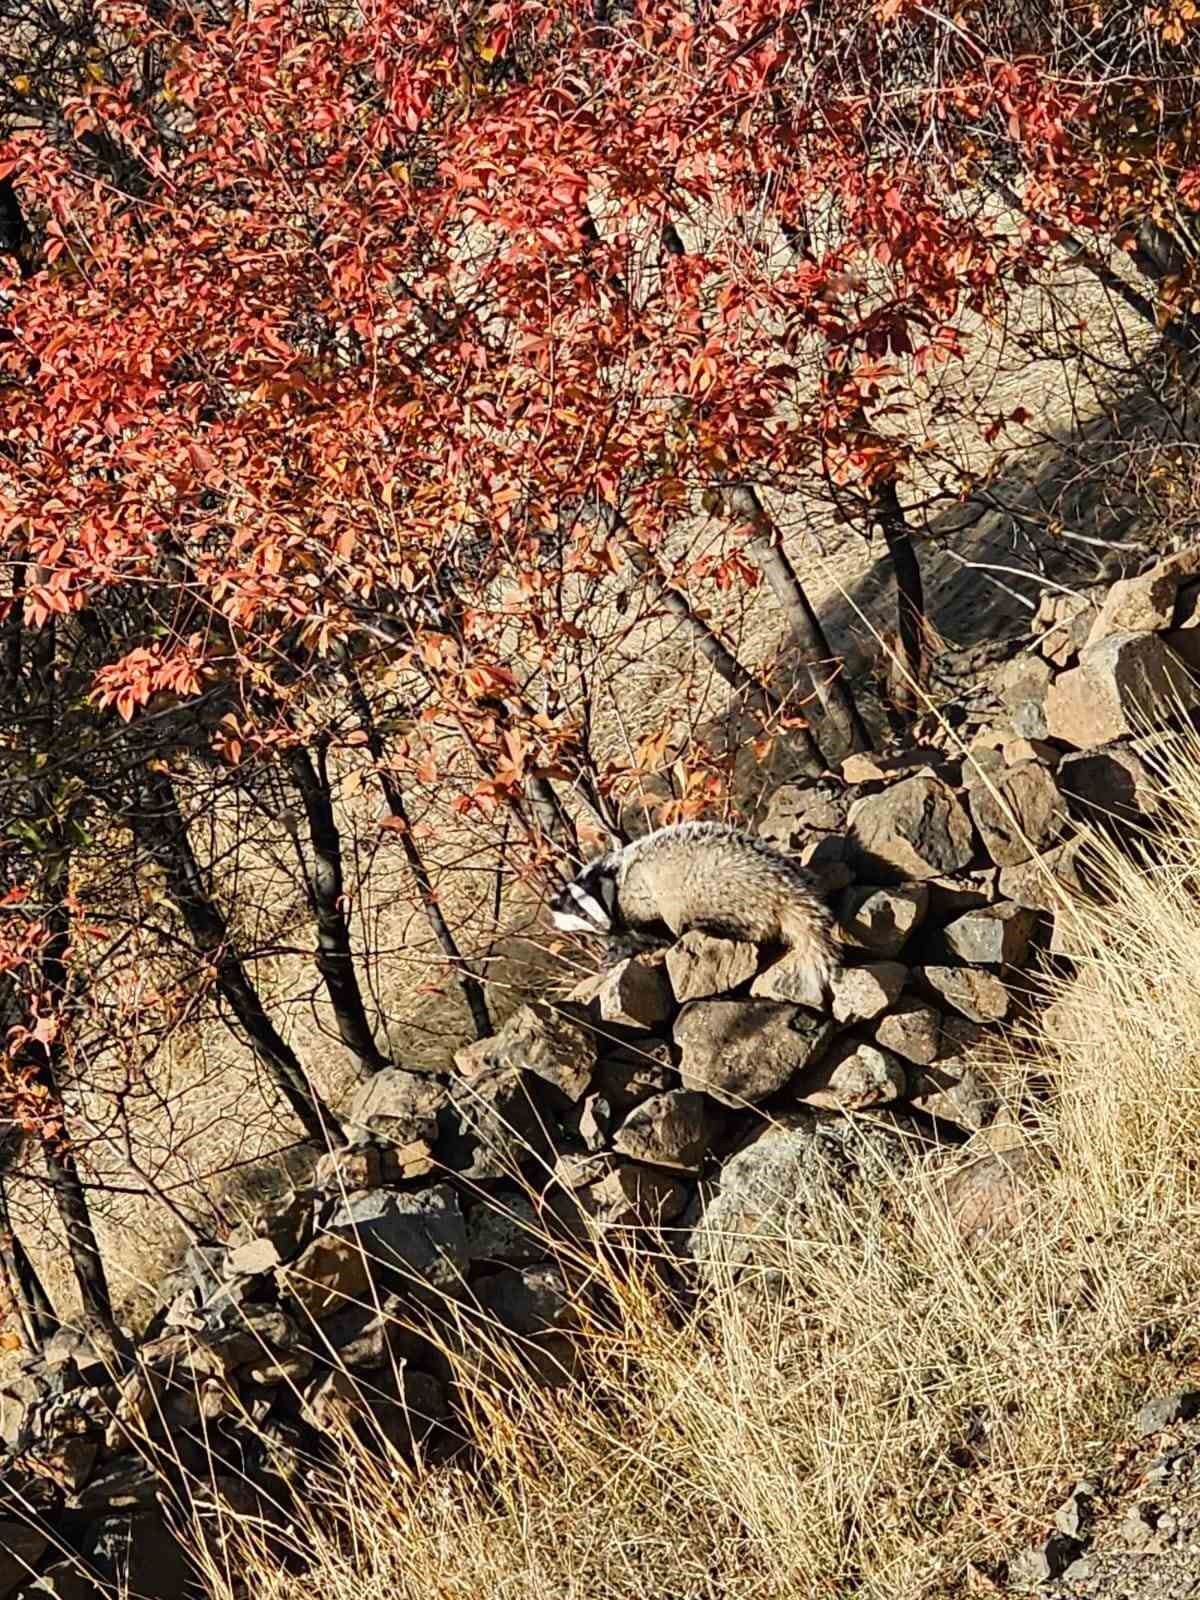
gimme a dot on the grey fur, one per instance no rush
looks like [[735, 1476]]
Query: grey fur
[[700, 875]]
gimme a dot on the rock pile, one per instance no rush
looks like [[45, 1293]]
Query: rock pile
[[701, 1091]]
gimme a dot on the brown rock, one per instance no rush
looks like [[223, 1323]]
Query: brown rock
[[1041, 881], [796, 811], [1122, 685], [1024, 682], [956, 1090], [863, 993], [1146, 604], [912, 1030], [1019, 814], [1019, 750], [855, 1077], [742, 1051], [976, 994], [700, 965], [790, 979], [540, 1040], [630, 1194], [629, 1074], [325, 1276], [916, 828], [670, 1130], [634, 994], [881, 920], [257, 1255], [954, 897], [991, 1197], [1107, 784], [993, 936]]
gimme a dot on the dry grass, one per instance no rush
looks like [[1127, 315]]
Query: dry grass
[[905, 1412]]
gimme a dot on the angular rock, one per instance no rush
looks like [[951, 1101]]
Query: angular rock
[[1018, 751], [500, 1129], [955, 1090], [915, 829], [701, 965], [882, 920], [629, 1074], [506, 1229], [1044, 1561], [1156, 1415], [634, 994], [978, 995], [862, 993], [420, 1236], [629, 1195], [791, 980], [538, 1039], [912, 1031], [1146, 604], [1125, 684], [528, 1302], [140, 1556], [61, 1580], [1024, 683], [253, 1257], [595, 1122], [1019, 815], [1103, 785], [1040, 882], [670, 1130], [854, 1077], [1074, 1517], [126, 1484], [327, 1274], [993, 936], [796, 811], [398, 1106], [742, 1051], [792, 1176], [954, 897]]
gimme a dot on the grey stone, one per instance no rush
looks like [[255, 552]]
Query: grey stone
[[1156, 1415], [792, 980], [528, 1302], [882, 920], [500, 1128], [629, 1074], [993, 936], [508, 1229], [1077, 1512], [399, 1106], [916, 828], [976, 994], [1040, 882], [742, 1051], [421, 1236], [540, 1040], [1126, 683], [913, 1031], [670, 1130], [862, 993], [1019, 814], [796, 811], [1044, 1561], [701, 965], [1147, 603], [628, 1194], [854, 1077]]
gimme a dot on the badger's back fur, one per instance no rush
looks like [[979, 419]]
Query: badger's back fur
[[702, 875]]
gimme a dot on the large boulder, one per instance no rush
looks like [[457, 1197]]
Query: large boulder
[[743, 1051], [399, 1106], [1019, 812], [1146, 604], [1124, 684], [915, 829]]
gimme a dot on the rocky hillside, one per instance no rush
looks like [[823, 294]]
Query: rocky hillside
[[689, 1100]]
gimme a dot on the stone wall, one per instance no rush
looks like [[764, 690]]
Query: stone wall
[[701, 1092]]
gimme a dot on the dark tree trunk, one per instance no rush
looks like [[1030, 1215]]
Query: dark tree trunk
[[34, 1311], [824, 668], [910, 593], [394, 795], [165, 836], [326, 888]]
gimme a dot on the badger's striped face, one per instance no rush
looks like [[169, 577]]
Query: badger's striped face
[[587, 904]]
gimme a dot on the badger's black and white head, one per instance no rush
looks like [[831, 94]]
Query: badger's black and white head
[[588, 904]]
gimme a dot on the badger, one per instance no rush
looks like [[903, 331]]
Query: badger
[[699, 875]]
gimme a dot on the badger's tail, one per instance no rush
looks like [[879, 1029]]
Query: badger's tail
[[808, 931]]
